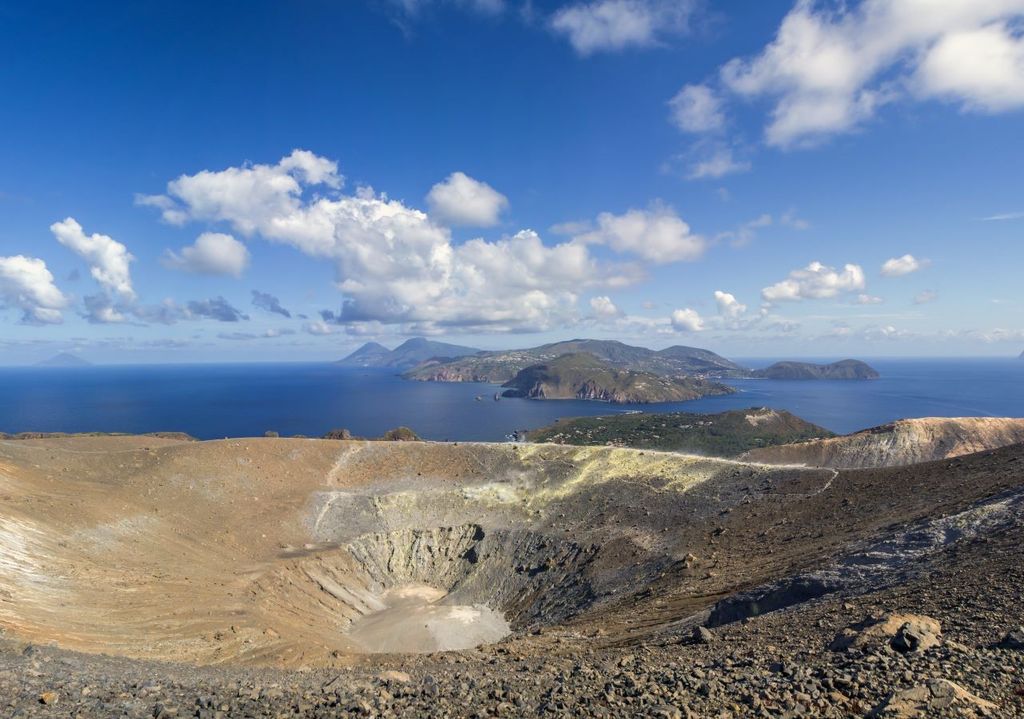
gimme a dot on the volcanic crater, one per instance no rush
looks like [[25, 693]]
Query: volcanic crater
[[304, 552]]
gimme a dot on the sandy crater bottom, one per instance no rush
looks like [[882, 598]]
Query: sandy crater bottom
[[414, 620]]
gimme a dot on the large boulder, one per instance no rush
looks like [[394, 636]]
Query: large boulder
[[902, 632]]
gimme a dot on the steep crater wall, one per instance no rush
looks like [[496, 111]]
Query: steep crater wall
[[528, 578]]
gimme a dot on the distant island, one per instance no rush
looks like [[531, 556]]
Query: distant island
[[64, 359], [584, 376], [605, 370], [728, 434], [845, 370], [440, 362]]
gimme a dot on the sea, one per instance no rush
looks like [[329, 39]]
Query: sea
[[211, 401]]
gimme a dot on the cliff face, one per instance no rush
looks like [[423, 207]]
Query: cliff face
[[904, 442]]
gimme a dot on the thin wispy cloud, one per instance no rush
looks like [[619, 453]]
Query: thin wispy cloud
[[1004, 217]]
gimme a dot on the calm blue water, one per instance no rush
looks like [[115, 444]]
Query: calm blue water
[[210, 401]]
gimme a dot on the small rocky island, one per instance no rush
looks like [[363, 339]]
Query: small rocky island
[[584, 376], [846, 370]]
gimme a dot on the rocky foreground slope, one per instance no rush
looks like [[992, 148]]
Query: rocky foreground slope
[[237, 578], [907, 441]]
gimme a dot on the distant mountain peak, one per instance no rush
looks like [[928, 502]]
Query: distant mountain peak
[[64, 359], [413, 342], [414, 351]]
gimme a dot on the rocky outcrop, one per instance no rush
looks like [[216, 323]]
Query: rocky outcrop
[[904, 442], [903, 632]]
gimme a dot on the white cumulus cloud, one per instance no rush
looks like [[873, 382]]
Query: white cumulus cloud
[[687, 320], [657, 234], [831, 67], [609, 25], [461, 200], [604, 307], [983, 68], [816, 281], [696, 108], [108, 259], [729, 307], [250, 197], [319, 328], [27, 284], [394, 263], [905, 265], [213, 253], [716, 163]]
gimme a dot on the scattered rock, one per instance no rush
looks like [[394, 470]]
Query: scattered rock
[[1014, 639], [392, 675], [703, 635], [49, 698], [914, 637]]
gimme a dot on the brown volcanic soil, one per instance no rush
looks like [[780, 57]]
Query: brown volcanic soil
[[240, 561]]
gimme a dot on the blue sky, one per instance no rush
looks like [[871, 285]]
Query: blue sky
[[284, 181]]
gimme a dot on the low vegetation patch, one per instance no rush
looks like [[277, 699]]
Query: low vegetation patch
[[727, 434]]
